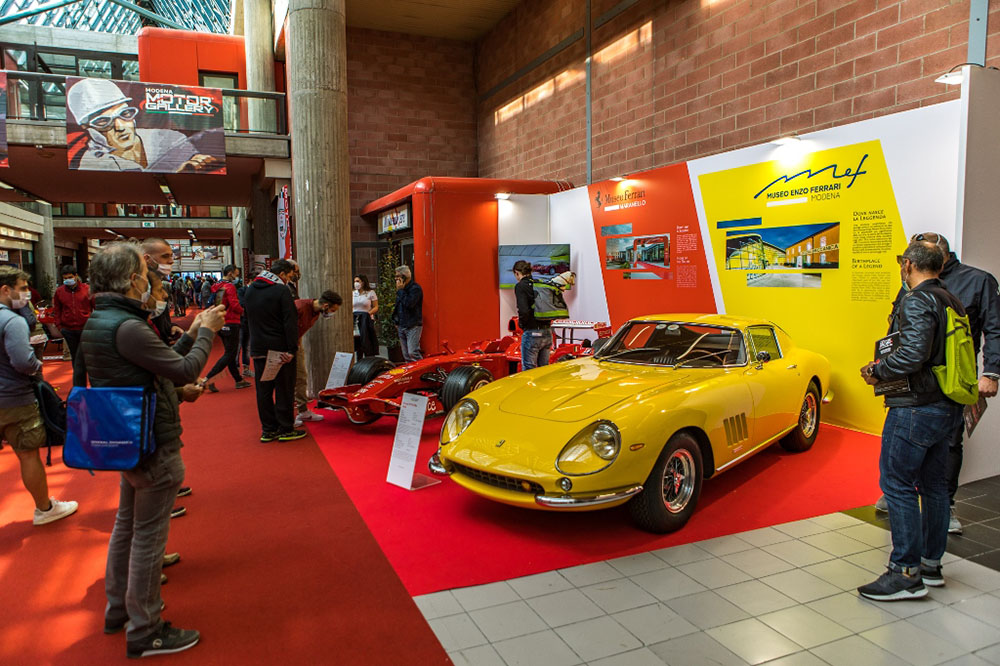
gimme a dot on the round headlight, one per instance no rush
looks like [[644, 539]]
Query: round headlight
[[459, 418], [592, 449], [605, 441]]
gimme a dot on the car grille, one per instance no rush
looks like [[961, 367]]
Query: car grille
[[499, 481]]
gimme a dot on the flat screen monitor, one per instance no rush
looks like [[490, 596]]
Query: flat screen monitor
[[546, 261]]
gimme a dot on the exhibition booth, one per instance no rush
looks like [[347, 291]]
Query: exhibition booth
[[803, 232]]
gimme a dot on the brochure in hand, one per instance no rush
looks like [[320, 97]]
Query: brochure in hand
[[973, 414], [883, 348]]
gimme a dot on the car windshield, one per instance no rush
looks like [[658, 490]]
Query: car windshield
[[675, 344]]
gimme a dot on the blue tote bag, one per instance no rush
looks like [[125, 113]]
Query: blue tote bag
[[109, 428]]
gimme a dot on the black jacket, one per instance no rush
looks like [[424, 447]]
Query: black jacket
[[918, 316], [271, 317], [524, 294], [409, 306]]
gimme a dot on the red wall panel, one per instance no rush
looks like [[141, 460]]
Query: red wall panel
[[177, 56]]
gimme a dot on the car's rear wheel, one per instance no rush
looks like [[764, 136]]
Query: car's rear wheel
[[671, 492], [804, 434], [461, 382], [368, 369]]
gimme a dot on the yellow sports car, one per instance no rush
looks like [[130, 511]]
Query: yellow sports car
[[666, 402]]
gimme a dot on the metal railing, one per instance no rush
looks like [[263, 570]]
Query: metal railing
[[144, 211], [38, 96]]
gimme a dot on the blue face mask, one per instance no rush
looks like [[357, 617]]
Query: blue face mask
[[71, 282]]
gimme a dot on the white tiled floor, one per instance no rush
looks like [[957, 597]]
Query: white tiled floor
[[782, 595]]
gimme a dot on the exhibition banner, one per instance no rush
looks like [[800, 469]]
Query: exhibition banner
[[151, 127], [4, 160], [284, 225]]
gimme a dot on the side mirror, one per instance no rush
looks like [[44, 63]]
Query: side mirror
[[763, 357]]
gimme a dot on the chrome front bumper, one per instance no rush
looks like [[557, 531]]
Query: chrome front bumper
[[568, 501], [435, 466]]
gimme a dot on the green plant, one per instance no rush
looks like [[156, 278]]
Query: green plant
[[385, 289]]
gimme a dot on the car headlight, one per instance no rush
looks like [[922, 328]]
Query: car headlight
[[459, 418], [592, 449]]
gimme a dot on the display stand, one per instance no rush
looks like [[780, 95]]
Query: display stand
[[338, 371], [406, 445]]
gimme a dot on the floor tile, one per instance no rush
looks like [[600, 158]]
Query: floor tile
[[801, 528], [697, 648], [990, 654], [967, 660], [683, 554], [953, 591], [843, 574], [755, 597], [969, 513], [507, 621], [598, 638], [565, 607], [714, 573], [483, 596], [540, 584], [753, 641], [836, 544], [484, 655], [765, 536], [873, 560], [805, 626], [668, 583], [982, 533], [798, 659], [856, 651], [990, 500], [836, 521], [707, 609], [541, 649], [985, 607], [958, 628], [724, 545], [875, 537], [912, 644], [965, 547], [654, 624], [438, 605], [757, 562], [975, 575], [990, 559], [640, 657], [634, 565], [457, 632], [801, 585], [912, 607], [798, 553], [588, 574], [618, 595], [852, 611]]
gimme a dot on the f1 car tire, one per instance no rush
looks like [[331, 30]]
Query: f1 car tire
[[804, 434], [461, 382], [565, 357], [368, 369], [671, 492]]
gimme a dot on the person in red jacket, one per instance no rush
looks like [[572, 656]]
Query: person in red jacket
[[224, 293], [71, 307]]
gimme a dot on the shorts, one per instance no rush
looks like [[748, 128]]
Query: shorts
[[22, 427]]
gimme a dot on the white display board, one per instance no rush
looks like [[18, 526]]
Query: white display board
[[406, 445], [339, 369]]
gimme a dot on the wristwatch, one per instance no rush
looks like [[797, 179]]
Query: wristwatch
[[991, 375]]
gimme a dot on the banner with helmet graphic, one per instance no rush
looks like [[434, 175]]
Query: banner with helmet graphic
[[151, 127], [4, 161]]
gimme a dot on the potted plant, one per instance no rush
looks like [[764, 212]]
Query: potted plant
[[385, 289]]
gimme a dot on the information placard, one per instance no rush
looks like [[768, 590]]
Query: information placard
[[406, 444], [338, 371]]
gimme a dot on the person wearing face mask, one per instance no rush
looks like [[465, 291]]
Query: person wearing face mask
[[20, 421], [308, 312], [120, 349], [919, 426], [365, 306], [71, 307], [159, 259], [224, 293]]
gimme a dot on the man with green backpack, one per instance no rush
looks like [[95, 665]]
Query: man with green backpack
[[932, 352]]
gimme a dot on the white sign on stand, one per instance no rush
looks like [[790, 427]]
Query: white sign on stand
[[406, 445], [338, 371]]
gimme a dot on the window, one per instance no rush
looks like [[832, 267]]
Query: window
[[762, 339], [130, 70], [230, 110], [822, 241]]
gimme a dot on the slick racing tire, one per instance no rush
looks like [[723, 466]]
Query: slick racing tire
[[802, 438], [565, 357], [368, 369], [671, 492], [461, 382]]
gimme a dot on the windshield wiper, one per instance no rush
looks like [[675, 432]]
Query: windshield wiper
[[627, 351]]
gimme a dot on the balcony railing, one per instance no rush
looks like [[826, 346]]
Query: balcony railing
[[37, 96], [146, 211]]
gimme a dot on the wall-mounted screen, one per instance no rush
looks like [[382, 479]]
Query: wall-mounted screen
[[545, 260], [394, 219]]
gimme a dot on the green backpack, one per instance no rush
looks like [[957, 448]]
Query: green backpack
[[958, 377]]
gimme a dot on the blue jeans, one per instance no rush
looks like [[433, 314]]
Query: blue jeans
[[409, 342], [914, 463], [535, 347]]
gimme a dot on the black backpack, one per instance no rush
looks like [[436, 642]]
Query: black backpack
[[53, 411]]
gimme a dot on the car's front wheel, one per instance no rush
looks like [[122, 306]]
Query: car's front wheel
[[462, 381], [368, 369], [804, 434], [671, 492]]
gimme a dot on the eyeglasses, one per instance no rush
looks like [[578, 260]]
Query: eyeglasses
[[102, 123]]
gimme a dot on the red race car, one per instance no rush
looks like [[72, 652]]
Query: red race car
[[375, 386]]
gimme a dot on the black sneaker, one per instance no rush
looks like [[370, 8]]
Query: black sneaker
[[212, 388], [166, 640], [932, 575], [292, 435], [178, 511], [268, 437], [243, 384], [894, 586], [184, 491]]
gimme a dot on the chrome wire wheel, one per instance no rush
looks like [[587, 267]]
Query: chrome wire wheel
[[808, 415], [678, 481]]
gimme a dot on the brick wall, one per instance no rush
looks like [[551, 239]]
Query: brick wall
[[410, 114], [678, 79]]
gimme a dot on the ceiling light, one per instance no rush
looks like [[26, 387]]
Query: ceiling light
[[951, 78], [619, 179], [787, 140], [503, 195]]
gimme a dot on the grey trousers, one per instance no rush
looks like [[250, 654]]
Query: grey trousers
[[409, 342], [138, 542]]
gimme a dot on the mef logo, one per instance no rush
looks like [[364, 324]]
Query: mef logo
[[597, 199]]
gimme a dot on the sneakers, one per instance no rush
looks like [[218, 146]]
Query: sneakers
[[184, 491], [309, 416], [55, 511], [266, 437], [178, 511], [166, 640], [247, 372], [298, 423], [292, 435], [882, 505], [954, 525], [894, 586], [212, 388], [170, 559], [932, 576], [163, 578], [243, 384]]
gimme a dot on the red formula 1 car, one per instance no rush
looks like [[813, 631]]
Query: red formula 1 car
[[375, 386]]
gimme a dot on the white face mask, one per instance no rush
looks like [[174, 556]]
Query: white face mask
[[18, 303], [164, 269], [160, 307], [357, 286]]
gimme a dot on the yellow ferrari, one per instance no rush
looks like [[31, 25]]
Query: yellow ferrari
[[668, 401]]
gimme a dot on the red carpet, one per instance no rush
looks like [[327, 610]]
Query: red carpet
[[445, 537], [277, 566]]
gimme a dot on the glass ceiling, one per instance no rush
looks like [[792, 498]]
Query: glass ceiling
[[117, 17]]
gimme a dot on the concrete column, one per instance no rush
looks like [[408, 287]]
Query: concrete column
[[317, 87], [241, 234], [46, 267], [258, 41]]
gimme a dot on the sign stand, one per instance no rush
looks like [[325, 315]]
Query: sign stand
[[406, 445], [338, 371]]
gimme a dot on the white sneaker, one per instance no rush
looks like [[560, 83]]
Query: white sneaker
[[954, 525], [298, 422], [309, 416], [56, 511]]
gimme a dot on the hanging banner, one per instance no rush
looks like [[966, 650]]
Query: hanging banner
[[284, 225], [151, 127], [4, 162]]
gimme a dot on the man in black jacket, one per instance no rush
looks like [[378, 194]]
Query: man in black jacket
[[918, 429], [408, 314], [274, 328], [536, 336]]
